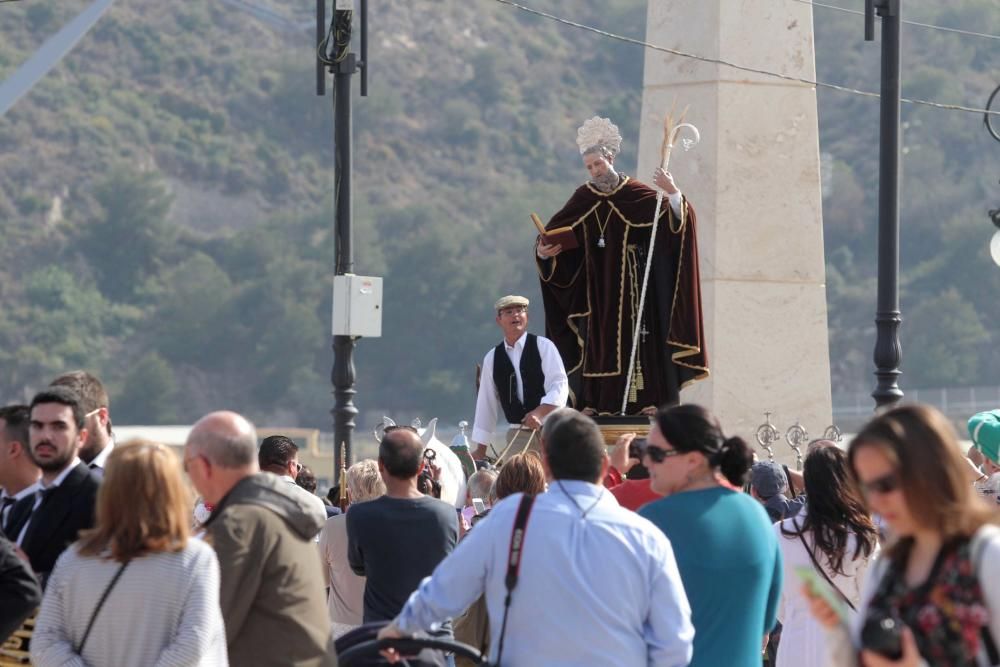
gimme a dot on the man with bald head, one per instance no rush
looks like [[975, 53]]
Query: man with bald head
[[272, 580]]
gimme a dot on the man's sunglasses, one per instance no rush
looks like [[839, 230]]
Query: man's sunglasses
[[658, 454], [881, 485]]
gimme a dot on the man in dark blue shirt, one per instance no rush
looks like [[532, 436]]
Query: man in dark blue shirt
[[397, 540]]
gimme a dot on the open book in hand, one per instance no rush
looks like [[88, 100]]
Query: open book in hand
[[563, 236]]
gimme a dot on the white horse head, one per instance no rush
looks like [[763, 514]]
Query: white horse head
[[452, 479]]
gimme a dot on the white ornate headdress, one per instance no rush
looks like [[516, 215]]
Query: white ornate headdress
[[599, 132]]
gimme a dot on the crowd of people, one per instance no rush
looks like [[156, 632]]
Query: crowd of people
[[679, 549]]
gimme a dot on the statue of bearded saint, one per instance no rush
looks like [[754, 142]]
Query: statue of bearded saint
[[591, 293]]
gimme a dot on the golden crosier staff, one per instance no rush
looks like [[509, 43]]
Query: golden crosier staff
[[343, 502], [670, 133]]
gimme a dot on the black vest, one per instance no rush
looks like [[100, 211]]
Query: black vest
[[505, 380]]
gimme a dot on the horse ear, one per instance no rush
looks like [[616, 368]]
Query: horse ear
[[379, 430], [427, 433]]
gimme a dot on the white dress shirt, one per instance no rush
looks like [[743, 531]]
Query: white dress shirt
[[38, 496], [488, 407], [100, 461], [599, 589]]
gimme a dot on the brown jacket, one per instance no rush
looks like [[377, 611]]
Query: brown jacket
[[272, 593]]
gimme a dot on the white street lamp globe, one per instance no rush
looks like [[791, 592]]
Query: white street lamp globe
[[995, 248]]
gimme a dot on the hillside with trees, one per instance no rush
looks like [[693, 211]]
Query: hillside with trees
[[166, 213]]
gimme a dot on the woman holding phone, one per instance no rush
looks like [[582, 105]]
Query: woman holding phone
[[834, 538], [933, 596]]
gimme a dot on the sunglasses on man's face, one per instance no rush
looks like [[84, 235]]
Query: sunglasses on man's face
[[881, 485], [658, 454]]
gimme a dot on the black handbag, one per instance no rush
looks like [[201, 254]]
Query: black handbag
[[100, 603]]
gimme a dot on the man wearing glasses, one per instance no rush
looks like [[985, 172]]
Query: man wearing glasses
[[96, 406], [523, 376], [272, 589], [279, 454]]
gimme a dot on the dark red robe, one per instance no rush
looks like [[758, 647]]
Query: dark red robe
[[591, 295]]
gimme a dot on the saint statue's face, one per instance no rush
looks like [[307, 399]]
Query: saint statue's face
[[597, 165]]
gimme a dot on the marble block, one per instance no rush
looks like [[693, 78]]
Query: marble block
[[755, 182]]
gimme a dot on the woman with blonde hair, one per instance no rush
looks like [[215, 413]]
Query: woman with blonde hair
[[346, 597], [135, 589], [933, 597]]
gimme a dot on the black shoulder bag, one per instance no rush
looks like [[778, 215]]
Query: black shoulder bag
[[819, 568], [514, 561], [100, 603]]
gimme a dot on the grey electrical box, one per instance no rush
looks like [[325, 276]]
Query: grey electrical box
[[357, 306]]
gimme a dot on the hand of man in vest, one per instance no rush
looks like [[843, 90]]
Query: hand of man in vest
[[533, 419]]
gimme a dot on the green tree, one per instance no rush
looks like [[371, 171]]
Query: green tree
[[193, 322], [148, 393], [61, 323], [943, 349], [125, 243]]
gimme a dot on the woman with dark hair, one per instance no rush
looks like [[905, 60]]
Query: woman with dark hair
[[725, 547], [939, 580], [836, 538]]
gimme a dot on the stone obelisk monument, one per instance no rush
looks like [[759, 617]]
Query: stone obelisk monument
[[755, 182]]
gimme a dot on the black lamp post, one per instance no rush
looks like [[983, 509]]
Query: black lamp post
[[339, 59], [888, 352]]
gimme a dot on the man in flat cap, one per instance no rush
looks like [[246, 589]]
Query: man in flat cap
[[523, 376]]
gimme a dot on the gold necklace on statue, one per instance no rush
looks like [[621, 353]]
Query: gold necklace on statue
[[601, 228]]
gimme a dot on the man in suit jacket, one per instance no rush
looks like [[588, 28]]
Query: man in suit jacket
[[18, 473], [19, 591], [65, 504]]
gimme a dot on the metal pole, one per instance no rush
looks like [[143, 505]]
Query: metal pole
[[320, 36], [888, 352], [342, 375]]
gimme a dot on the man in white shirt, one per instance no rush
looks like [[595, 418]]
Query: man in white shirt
[[525, 383], [598, 584], [97, 411], [18, 473]]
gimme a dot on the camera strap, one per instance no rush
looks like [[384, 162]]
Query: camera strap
[[514, 561]]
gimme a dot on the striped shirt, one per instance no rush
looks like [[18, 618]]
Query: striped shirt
[[164, 610]]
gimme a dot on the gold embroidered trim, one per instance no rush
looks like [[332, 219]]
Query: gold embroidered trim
[[636, 224]]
